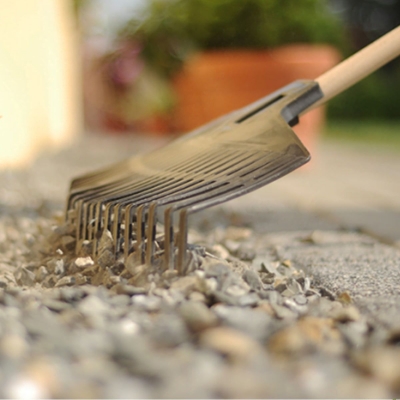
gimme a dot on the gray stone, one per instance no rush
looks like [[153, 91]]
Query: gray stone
[[197, 316], [41, 273], [65, 281], [354, 333], [56, 305], [120, 300], [129, 289], [84, 262], [253, 279], [71, 294], [169, 330], [230, 343], [106, 258], [225, 298], [86, 248], [237, 290], [93, 305], [283, 312], [124, 387], [255, 323], [292, 305], [68, 243], [106, 241], [146, 303], [56, 266], [185, 285], [246, 253], [300, 299], [149, 348], [24, 277], [294, 286], [249, 300]]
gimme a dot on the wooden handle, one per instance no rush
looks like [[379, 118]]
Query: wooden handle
[[359, 65]]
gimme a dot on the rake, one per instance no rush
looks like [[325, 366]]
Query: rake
[[143, 203]]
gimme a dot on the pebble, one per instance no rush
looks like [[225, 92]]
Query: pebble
[[56, 266], [119, 301], [65, 281], [252, 322], [41, 274], [197, 316], [253, 279], [237, 291], [68, 243], [84, 262], [130, 290], [307, 335], [346, 314], [169, 330], [300, 299], [185, 285], [86, 248], [246, 253], [295, 287], [327, 293], [344, 297], [206, 286], [382, 363], [24, 277], [284, 313], [237, 233], [106, 258], [292, 305], [197, 296], [146, 303], [56, 305], [75, 327], [248, 300], [220, 251], [354, 333], [93, 305], [13, 346], [230, 343]]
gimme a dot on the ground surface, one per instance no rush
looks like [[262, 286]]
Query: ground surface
[[297, 282]]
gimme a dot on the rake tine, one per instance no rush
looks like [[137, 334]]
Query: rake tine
[[79, 221], [215, 163], [97, 220], [151, 233], [116, 227], [140, 225], [128, 230], [91, 219], [182, 242], [107, 217], [168, 239]]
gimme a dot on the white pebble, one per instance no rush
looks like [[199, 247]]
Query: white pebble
[[83, 262]]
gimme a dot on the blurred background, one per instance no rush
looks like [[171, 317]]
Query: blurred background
[[162, 67]]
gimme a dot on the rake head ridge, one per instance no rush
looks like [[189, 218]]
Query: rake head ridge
[[222, 160]]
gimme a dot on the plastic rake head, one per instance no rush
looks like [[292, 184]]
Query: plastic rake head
[[145, 201]]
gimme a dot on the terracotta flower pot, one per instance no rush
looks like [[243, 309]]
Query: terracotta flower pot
[[214, 83]]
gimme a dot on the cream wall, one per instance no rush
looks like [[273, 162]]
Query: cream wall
[[39, 78]]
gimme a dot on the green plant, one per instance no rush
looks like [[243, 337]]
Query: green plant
[[375, 97], [170, 30]]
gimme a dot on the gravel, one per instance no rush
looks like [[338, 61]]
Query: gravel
[[254, 313]]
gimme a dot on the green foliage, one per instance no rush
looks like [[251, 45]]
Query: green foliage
[[375, 97], [377, 132], [78, 5], [170, 30]]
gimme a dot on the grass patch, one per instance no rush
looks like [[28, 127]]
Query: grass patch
[[374, 132]]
